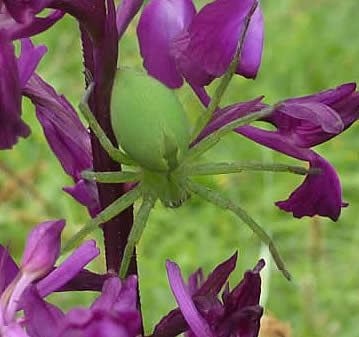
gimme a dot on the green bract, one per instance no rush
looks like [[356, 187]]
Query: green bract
[[148, 121]]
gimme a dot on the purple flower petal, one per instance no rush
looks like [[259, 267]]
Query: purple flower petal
[[86, 193], [67, 136], [34, 26], [218, 277], [68, 269], [41, 318], [126, 11], [197, 324], [42, 248], [319, 194], [11, 125], [8, 268], [81, 322], [29, 59], [161, 21], [206, 49]]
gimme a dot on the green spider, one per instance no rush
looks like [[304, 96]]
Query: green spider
[[154, 136]]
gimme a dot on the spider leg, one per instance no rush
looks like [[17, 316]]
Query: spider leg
[[136, 232], [204, 119], [111, 177], [114, 153], [206, 143], [220, 201], [237, 167], [105, 215]]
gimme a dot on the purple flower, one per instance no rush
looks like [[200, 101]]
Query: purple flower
[[113, 313], [41, 251], [302, 123], [175, 42], [201, 313]]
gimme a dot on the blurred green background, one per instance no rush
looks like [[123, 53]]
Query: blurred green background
[[309, 46]]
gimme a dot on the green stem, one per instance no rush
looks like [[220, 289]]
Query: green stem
[[236, 167], [137, 229], [111, 176], [204, 119], [107, 214], [114, 153], [220, 201]]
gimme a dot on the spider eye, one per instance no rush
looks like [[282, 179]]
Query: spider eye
[[148, 121]]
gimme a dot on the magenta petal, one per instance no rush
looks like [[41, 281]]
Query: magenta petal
[[65, 133], [42, 248], [318, 195], [197, 324], [8, 268], [41, 318], [218, 277], [251, 56], [29, 59], [161, 21], [11, 125], [206, 49], [126, 10], [315, 114], [68, 269], [86, 193]]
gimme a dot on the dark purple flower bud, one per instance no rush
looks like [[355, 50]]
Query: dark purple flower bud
[[42, 248], [162, 21], [199, 47], [238, 314]]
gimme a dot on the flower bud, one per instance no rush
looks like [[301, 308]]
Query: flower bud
[[148, 121], [42, 248]]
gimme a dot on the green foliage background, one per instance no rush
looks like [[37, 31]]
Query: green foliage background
[[309, 46]]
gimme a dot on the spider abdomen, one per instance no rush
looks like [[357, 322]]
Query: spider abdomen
[[148, 121]]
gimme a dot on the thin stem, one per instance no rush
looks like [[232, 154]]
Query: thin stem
[[236, 167], [111, 177], [114, 153], [212, 139], [107, 214], [204, 119], [137, 229], [220, 201]]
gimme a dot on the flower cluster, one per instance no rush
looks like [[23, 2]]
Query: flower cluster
[[178, 45]]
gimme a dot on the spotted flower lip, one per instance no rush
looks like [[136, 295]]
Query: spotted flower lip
[[180, 43]]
